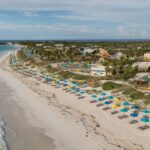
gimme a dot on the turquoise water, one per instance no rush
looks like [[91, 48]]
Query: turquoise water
[[4, 48]]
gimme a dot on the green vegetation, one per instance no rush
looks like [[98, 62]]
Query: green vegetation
[[110, 85], [21, 55], [133, 93]]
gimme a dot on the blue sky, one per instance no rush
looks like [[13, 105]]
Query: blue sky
[[74, 19]]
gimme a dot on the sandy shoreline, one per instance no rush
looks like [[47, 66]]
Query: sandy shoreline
[[66, 122]]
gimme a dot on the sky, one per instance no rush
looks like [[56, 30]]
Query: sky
[[74, 19]]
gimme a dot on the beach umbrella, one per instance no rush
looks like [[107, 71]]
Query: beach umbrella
[[117, 100], [125, 103], [93, 96], [134, 114], [145, 111], [103, 93], [110, 97], [100, 99], [115, 106], [82, 92], [123, 110], [135, 107], [107, 102], [145, 120]]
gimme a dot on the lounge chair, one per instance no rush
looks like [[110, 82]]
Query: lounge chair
[[106, 108], [133, 121], [93, 101], [114, 112], [144, 127], [81, 97], [98, 105], [123, 117]]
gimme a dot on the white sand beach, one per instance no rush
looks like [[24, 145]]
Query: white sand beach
[[43, 117]]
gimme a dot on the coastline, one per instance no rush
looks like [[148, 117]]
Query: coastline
[[72, 123]]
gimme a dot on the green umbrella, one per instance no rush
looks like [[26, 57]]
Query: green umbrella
[[123, 110], [145, 120], [145, 111]]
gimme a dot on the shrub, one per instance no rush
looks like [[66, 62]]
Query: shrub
[[110, 85]]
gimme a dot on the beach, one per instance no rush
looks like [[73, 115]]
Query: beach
[[42, 117]]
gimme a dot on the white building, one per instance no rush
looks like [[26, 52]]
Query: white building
[[147, 56], [142, 66], [98, 70], [59, 45], [87, 50]]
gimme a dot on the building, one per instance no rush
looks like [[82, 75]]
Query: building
[[59, 46], [39, 45], [147, 56], [87, 50], [142, 66], [98, 70], [142, 81], [118, 56]]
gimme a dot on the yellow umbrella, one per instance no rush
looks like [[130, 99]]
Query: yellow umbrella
[[117, 100], [114, 106]]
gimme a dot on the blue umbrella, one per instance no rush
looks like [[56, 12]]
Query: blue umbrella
[[123, 110], [135, 107], [125, 103], [107, 102], [133, 114]]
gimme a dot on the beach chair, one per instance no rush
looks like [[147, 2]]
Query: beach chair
[[81, 97], [123, 117], [133, 121], [93, 101], [144, 127], [106, 108], [114, 112], [99, 105]]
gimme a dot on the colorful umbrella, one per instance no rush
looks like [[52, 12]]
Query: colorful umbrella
[[134, 114], [107, 102], [110, 97], [117, 100], [100, 99], [123, 110], [135, 107], [145, 119], [125, 103], [115, 106], [145, 111]]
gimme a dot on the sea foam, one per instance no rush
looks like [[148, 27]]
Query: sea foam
[[3, 144]]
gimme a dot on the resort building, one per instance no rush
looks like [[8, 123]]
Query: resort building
[[147, 56], [142, 66], [87, 50], [39, 45], [59, 46], [118, 56], [98, 70]]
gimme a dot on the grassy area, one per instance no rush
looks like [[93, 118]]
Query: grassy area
[[110, 85], [133, 93]]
